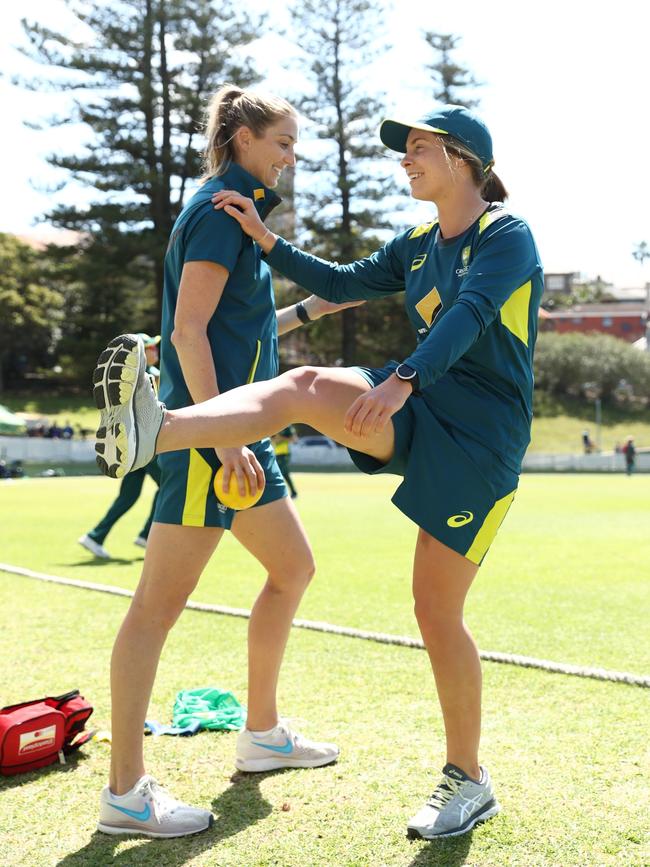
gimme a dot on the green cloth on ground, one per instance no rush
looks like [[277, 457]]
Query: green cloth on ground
[[213, 708]]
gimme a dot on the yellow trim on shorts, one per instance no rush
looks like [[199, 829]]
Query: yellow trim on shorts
[[197, 488], [488, 531]]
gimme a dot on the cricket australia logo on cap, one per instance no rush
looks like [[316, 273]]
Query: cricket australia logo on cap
[[37, 740]]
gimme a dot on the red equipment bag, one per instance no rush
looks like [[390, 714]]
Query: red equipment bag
[[40, 732]]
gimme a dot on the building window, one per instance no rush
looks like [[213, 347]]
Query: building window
[[607, 321], [626, 326], [577, 320]]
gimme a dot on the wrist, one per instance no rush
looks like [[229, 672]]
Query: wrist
[[302, 313], [266, 240], [409, 375]]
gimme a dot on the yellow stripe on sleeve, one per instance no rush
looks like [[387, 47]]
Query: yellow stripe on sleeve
[[199, 476], [488, 531], [514, 313], [256, 361]]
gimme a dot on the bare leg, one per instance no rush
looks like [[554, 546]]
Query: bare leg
[[441, 580], [175, 559], [275, 536], [318, 396]]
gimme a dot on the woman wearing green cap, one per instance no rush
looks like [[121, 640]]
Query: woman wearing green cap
[[452, 417]]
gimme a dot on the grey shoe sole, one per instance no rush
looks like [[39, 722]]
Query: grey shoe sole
[[258, 766], [114, 381], [486, 812], [142, 830]]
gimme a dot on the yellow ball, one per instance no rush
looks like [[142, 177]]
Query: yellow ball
[[231, 497]]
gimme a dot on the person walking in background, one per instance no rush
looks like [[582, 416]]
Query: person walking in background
[[453, 418], [630, 455], [131, 486], [282, 447]]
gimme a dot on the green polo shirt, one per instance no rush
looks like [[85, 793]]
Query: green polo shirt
[[473, 303], [243, 329]]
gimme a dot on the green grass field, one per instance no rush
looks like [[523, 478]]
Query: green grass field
[[566, 580]]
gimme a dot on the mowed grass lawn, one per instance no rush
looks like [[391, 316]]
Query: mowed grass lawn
[[567, 579]]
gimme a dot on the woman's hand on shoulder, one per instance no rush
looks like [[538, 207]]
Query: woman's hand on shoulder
[[243, 463], [371, 412], [242, 209]]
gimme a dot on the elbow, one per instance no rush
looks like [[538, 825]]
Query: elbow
[[186, 333]]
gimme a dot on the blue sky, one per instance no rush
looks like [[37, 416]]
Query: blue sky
[[565, 96]]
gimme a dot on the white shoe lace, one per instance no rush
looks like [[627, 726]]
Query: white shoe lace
[[163, 803], [444, 792]]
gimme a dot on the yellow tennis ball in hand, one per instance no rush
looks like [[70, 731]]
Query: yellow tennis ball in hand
[[231, 497]]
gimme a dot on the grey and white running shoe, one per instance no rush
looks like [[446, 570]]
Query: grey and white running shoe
[[150, 810], [457, 804], [281, 748], [131, 415]]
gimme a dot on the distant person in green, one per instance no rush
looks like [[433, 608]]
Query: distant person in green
[[131, 486], [282, 447], [452, 417], [629, 451]]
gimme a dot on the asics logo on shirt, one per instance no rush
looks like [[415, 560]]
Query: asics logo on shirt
[[418, 262], [140, 815], [283, 748], [460, 520]]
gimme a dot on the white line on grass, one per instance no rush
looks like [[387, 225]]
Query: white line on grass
[[349, 632]]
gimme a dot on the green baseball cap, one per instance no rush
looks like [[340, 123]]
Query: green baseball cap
[[147, 340], [456, 121]]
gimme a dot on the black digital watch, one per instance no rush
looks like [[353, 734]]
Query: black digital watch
[[407, 374]]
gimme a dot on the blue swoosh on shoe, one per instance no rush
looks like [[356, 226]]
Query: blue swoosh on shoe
[[285, 748], [140, 815]]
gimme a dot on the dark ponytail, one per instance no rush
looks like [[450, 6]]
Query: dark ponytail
[[490, 184]]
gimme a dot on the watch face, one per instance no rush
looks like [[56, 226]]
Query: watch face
[[405, 372]]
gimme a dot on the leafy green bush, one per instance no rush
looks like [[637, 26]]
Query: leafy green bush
[[565, 363]]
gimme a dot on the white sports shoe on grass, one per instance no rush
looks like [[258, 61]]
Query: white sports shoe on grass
[[281, 748], [131, 415], [95, 548], [141, 542], [457, 804], [148, 809]]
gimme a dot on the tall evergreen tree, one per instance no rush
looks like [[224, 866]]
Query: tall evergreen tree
[[146, 72], [344, 203], [451, 80]]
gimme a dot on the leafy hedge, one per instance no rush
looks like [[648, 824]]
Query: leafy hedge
[[565, 363]]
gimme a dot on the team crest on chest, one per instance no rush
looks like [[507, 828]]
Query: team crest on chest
[[464, 258], [429, 306]]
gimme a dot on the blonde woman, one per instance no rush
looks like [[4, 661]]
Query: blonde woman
[[219, 330]]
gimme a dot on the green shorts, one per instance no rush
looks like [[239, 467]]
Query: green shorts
[[186, 487], [454, 487]]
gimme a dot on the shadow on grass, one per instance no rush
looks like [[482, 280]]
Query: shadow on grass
[[236, 809], [450, 852], [98, 562], [27, 777]]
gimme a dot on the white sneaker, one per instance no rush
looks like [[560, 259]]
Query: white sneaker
[[148, 809], [141, 542], [457, 804], [94, 547], [281, 748], [131, 415]]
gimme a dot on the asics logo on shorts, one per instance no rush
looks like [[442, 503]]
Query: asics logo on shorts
[[460, 520]]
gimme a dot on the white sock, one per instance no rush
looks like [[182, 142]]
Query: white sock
[[263, 734]]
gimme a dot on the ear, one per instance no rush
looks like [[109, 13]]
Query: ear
[[244, 138]]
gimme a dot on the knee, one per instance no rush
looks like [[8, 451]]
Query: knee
[[436, 620], [301, 379], [151, 609], [294, 576]]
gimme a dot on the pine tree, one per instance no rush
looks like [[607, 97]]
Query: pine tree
[[450, 79], [345, 200], [145, 76]]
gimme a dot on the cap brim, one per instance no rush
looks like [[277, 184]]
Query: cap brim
[[394, 133]]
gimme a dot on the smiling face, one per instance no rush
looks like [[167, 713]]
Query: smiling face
[[430, 170], [266, 156]]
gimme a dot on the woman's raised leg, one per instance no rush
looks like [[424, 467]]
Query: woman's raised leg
[[318, 396]]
